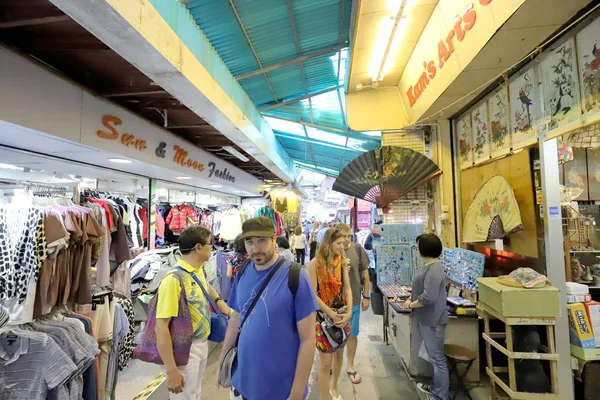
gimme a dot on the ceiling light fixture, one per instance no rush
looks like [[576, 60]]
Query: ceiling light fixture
[[216, 186], [390, 33], [183, 177], [10, 166], [119, 160], [236, 153]]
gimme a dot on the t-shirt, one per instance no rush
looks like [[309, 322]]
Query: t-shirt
[[359, 262], [429, 287], [30, 368], [168, 299], [269, 341]]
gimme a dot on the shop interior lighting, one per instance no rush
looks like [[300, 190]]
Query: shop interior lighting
[[390, 34], [216, 186], [119, 160], [236, 153], [184, 177]]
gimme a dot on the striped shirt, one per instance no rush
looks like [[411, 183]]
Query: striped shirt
[[30, 368]]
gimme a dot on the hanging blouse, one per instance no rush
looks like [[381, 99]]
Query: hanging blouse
[[22, 248]]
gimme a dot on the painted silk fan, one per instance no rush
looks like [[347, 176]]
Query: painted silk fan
[[386, 174], [493, 213]]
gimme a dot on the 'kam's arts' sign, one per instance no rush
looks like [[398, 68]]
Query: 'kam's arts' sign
[[181, 156], [446, 47]]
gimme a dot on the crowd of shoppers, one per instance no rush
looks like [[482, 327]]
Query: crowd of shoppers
[[279, 312]]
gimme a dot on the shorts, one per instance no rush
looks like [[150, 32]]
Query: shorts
[[355, 321]]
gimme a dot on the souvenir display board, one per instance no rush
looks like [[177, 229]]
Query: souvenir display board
[[465, 141], [524, 109], [589, 68], [395, 264], [463, 266], [499, 123], [561, 86], [400, 233], [481, 134]]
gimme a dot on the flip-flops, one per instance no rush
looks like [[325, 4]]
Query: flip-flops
[[335, 398], [353, 379]]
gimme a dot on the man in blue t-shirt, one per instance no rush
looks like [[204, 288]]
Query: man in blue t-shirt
[[277, 342]]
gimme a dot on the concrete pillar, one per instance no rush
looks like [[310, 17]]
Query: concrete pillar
[[441, 145], [555, 258]]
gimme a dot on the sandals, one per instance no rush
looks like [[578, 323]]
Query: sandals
[[335, 398], [353, 378]]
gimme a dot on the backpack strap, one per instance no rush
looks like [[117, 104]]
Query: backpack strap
[[294, 278], [242, 269]]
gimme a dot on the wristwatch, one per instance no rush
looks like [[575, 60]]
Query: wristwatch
[[366, 298]]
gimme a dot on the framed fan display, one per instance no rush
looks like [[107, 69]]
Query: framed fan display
[[493, 214]]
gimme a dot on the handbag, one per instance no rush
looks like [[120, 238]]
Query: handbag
[[230, 356], [330, 338], [218, 321], [182, 333]]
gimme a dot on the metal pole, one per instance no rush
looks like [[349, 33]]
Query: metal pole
[[152, 214], [555, 259]]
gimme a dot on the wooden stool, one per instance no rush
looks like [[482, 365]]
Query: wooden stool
[[457, 355]]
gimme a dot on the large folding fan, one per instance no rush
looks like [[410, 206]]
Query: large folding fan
[[385, 174], [493, 213]]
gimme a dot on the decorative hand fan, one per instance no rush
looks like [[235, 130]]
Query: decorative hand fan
[[385, 174], [568, 194], [493, 213]]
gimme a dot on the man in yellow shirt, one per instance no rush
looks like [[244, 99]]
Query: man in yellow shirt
[[185, 382]]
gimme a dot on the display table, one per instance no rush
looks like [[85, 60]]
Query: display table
[[399, 331]]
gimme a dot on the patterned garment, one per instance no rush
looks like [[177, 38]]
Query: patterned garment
[[22, 249], [236, 260], [329, 280], [128, 343]]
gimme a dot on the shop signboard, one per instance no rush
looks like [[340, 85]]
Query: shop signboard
[[454, 35], [465, 141], [560, 86], [588, 46], [108, 127], [524, 109], [481, 133], [499, 122]]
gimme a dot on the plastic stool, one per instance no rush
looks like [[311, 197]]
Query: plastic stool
[[457, 355]]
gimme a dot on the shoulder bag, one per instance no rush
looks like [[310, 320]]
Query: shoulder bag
[[218, 321], [226, 365], [180, 327]]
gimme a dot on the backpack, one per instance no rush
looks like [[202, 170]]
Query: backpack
[[293, 276]]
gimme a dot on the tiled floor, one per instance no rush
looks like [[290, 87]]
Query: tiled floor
[[383, 378]]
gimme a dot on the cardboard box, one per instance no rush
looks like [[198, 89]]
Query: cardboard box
[[580, 330], [579, 298], [577, 288], [519, 302], [585, 355], [593, 313]]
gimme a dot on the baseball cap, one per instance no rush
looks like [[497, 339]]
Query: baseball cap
[[258, 227]]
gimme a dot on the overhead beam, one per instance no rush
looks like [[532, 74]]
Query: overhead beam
[[297, 44], [313, 141], [191, 127], [290, 101], [319, 170], [241, 24], [297, 60], [350, 134], [34, 21], [130, 94], [309, 144]]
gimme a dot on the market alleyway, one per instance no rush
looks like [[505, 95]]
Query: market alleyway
[[383, 378]]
